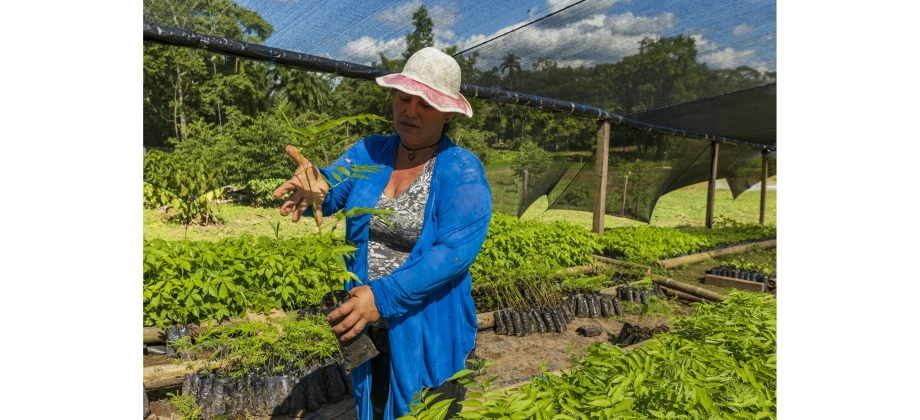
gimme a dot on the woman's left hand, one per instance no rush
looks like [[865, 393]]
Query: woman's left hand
[[358, 311]]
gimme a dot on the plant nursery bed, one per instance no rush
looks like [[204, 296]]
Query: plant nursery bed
[[517, 361], [735, 283]]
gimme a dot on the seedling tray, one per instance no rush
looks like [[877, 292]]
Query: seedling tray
[[736, 283]]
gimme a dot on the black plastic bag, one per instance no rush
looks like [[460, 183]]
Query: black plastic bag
[[581, 310], [146, 404], [518, 325], [315, 395], [605, 307], [257, 403], [334, 384], [357, 350], [218, 400], [530, 326], [549, 321], [589, 330], [560, 320], [568, 310], [538, 320], [206, 395], [275, 396], [593, 311], [346, 378], [190, 384], [173, 333], [244, 395], [298, 396], [499, 322]]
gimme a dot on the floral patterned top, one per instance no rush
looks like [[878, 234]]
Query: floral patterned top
[[389, 247]]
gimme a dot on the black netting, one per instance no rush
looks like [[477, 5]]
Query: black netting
[[671, 77]]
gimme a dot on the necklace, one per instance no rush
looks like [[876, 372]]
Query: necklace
[[412, 151]]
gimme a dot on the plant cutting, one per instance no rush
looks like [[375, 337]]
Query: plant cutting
[[360, 348]]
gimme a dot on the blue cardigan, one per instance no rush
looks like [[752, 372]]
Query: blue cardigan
[[427, 301]]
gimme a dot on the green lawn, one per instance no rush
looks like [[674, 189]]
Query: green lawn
[[684, 207]]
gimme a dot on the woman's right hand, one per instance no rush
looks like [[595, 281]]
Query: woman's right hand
[[306, 187]]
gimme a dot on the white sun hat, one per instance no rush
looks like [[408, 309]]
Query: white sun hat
[[434, 76]]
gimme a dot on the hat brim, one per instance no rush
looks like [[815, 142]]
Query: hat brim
[[437, 99]]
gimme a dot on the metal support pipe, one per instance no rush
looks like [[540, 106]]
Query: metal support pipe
[[765, 154], [600, 171], [711, 195]]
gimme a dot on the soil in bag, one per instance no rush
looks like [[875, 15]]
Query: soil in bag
[[582, 308], [518, 325], [190, 384], [298, 396], [206, 395], [173, 333], [333, 382], [604, 308], [509, 325], [499, 322], [593, 310], [589, 330], [548, 319], [218, 401], [527, 320], [275, 396], [315, 395], [541, 326], [559, 319], [257, 404], [357, 350], [567, 309]]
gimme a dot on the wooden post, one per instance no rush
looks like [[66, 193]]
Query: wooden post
[[600, 171], [763, 183], [711, 195], [524, 194], [623, 206]]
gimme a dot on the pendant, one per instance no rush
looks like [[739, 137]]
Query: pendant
[[411, 154]]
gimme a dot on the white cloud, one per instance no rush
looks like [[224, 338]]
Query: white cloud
[[588, 7], [742, 29], [398, 16], [583, 42], [366, 50], [717, 57], [727, 58], [443, 16]]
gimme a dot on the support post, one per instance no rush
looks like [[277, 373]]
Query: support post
[[524, 194], [711, 194], [623, 205], [600, 172], [763, 183]]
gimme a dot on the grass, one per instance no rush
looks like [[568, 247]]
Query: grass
[[237, 220], [684, 207]]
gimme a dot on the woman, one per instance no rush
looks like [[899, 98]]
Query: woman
[[415, 281]]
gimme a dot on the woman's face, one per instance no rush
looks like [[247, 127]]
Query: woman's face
[[417, 123]]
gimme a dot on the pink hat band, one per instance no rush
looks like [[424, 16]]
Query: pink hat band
[[440, 101]]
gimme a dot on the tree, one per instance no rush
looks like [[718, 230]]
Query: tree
[[303, 90], [183, 84], [422, 36], [512, 65]]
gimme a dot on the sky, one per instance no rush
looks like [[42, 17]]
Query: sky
[[728, 33]]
